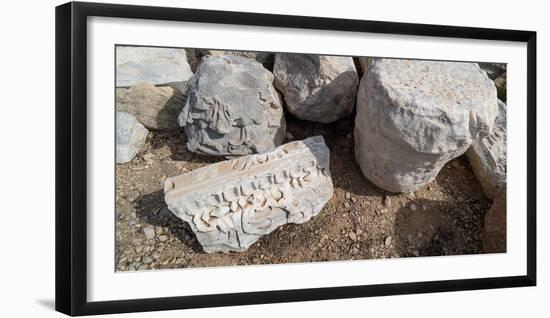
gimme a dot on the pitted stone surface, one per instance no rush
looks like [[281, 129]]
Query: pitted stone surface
[[232, 108], [414, 116], [150, 64], [231, 204], [130, 136], [487, 156], [317, 88]]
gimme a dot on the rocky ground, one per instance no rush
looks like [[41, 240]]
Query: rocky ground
[[359, 222]]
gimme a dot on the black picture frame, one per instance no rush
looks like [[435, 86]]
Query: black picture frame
[[71, 157]]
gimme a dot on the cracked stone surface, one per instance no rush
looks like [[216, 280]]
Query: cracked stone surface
[[229, 205], [487, 156], [414, 116], [315, 87], [151, 64], [232, 108]]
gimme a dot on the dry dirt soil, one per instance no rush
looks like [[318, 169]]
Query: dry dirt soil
[[361, 221]]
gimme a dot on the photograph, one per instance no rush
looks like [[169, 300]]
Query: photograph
[[232, 158]]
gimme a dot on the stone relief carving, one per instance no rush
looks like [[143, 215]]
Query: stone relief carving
[[229, 205]]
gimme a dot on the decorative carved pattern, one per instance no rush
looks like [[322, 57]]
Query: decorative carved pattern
[[229, 205]]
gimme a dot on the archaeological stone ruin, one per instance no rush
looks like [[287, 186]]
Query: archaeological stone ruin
[[415, 116], [231, 204], [407, 120]]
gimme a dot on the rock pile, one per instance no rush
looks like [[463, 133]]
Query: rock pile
[[231, 204], [414, 116], [317, 88], [232, 108]]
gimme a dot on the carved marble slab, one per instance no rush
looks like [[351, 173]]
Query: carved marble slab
[[231, 204]]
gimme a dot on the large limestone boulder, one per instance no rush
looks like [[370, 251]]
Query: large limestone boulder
[[317, 88], [156, 107], [130, 137], [494, 228], [265, 58], [232, 108], [231, 204], [414, 116], [487, 156], [150, 64]]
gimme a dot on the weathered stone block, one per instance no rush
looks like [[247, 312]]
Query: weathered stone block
[[487, 156], [231, 204], [151, 64], [232, 108], [156, 107], [130, 136], [414, 116], [315, 87]]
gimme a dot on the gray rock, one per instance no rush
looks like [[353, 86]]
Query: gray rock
[[156, 107], [414, 116], [265, 58], [150, 64], [232, 108], [229, 205], [317, 88], [130, 136], [487, 156], [149, 232]]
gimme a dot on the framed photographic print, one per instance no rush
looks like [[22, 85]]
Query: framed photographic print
[[209, 158]]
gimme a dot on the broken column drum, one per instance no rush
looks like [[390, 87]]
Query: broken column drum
[[414, 116], [231, 204]]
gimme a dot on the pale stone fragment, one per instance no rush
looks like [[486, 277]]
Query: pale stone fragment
[[231, 204]]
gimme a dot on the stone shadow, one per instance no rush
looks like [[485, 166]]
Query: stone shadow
[[151, 209], [435, 228]]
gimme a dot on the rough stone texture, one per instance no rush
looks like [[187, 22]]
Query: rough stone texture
[[493, 70], [151, 64], [232, 108], [130, 136], [230, 204], [265, 58], [156, 107], [487, 156], [317, 88], [494, 229], [414, 116]]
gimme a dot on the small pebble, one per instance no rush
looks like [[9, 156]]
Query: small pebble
[[413, 207], [163, 238], [352, 236], [147, 260], [387, 242], [346, 205], [387, 201], [149, 232], [416, 253], [348, 195], [349, 136]]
